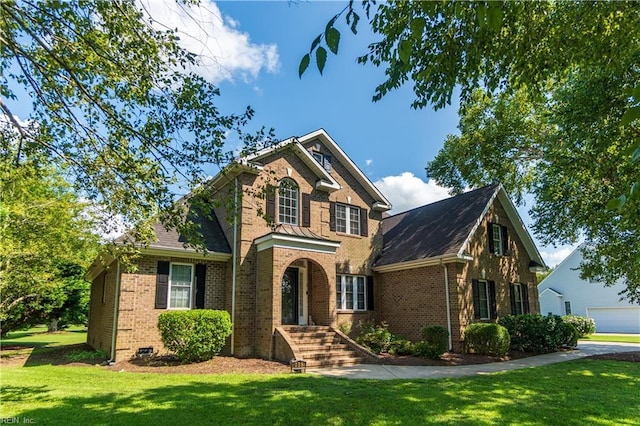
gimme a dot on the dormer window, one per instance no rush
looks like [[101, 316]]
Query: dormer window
[[288, 202], [323, 159]]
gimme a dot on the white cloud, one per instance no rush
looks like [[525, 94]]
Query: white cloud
[[553, 258], [407, 191], [368, 162], [224, 52]]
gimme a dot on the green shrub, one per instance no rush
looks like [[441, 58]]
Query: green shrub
[[487, 339], [436, 336], [536, 333], [427, 350], [376, 338], [570, 334], [584, 325], [401, 346], [196, 335]]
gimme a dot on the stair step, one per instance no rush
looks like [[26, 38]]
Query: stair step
[[318, 356], [340, 362], [323, 348]]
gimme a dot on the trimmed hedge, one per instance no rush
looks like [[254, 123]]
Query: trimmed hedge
[[584, 325], [487, 339], [436, 339], [537, 333], [195, 335]]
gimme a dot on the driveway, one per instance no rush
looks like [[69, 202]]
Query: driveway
[[387, 372]]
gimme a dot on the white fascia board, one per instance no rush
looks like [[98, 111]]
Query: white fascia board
[[186, 254], [515, 220], [295, 242], [381, 207], [419, 263], [520, 228], [550, 291], [350, 165], [327, 186], [99, 264]]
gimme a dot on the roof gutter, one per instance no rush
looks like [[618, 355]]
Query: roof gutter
[[430, 261]]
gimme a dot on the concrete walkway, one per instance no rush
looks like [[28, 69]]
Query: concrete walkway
[[387, 372]]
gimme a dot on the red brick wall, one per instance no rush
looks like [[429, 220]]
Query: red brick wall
[[100, 329], [138, 317]]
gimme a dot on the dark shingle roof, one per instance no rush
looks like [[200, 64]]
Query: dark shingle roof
[[209, 227], [433, 230]]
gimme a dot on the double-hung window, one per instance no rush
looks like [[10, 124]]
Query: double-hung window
[[351, 292], [497, 240], [518, 300], [347, 219], [483, 299], [180, 286], [288, 202]]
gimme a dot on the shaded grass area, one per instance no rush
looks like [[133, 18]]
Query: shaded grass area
[[621, 338], [37, 337], [573, 393]]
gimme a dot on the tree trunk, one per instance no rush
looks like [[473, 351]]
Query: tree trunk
[[53, 325]]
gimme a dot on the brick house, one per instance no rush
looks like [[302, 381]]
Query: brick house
[[315, 252]]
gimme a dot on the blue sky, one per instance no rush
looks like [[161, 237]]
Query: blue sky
[[252, 51]]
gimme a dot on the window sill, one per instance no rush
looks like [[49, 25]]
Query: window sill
[[352, 311], [344, 234]]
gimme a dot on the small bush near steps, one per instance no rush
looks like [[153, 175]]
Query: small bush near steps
[[196, 335]]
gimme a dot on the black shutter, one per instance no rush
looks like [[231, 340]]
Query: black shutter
[[490, 235], [306, 210], [493, 309], [364, 222], [370, 296], [505, 241], [162, 285], [201, 274], [525, 298], [271, 204], [476, 298], [332, 216], [512, 296]]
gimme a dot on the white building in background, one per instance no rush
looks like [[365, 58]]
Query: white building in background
[[563, 292]]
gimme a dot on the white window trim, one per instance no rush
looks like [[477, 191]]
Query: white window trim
[[191, 289], [498, 250], [342, 297], [570, 307], [486, 294], [347, 217], [297, 209], [322, 159]]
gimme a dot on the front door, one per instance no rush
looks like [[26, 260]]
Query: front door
[[290, 296]]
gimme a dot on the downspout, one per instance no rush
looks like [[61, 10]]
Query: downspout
[[116, 304], [233, 267], [446, 288]]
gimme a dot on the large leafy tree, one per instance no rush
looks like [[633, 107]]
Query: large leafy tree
[[550, 101], [114, 101], [46, 242]]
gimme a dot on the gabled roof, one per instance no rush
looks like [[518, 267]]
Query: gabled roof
[[325, 181], [549, 289], [442, 230]]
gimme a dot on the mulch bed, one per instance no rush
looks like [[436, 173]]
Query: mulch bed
[[24, 356]]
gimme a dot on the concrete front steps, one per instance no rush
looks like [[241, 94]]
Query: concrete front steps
[[322, 346]]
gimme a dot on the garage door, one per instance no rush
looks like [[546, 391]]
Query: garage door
[[616, 320]]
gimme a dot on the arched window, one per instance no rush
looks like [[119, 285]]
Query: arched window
[[288, 202]]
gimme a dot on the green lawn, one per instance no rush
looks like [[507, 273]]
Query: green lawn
[[623, 338], [572, 393]]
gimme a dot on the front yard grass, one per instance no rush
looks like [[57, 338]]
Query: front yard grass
[[573, 393], [622, 338]]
